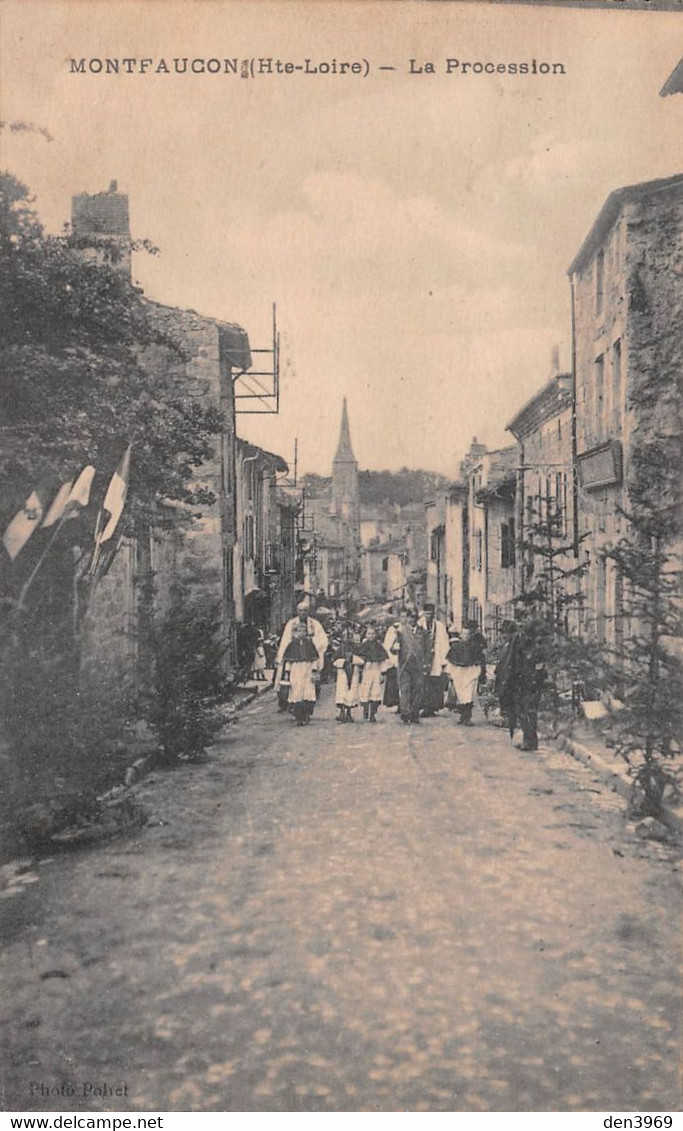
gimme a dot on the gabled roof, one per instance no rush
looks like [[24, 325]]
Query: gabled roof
[[629, 194], [549, 401], [501, 474], [249, 450]]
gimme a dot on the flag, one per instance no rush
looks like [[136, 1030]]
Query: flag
[[79, 495], [22, 525], [58, 503], [71, 497], [114, 501]]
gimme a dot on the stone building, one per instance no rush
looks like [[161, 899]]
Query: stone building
[[437, 579], [545, 481], [383, 570], [457, 554], [393, 553], [627, 306], [471, 532], [201, 541], [264, 561], [491, 538]]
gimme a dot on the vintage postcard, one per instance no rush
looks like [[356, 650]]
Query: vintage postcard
[[340, 354]]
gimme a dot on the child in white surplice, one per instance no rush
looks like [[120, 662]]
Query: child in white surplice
[[347, 663], [374, 658], [301, 662]]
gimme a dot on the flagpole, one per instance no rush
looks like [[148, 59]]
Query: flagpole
[[32, 576]]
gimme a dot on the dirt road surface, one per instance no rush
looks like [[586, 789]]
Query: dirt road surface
[[353, 918]]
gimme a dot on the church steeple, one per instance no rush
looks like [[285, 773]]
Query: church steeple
[[345, 501], [344, 449], [345, 473]]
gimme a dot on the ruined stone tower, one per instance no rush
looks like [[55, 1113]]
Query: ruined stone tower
[[101, 223]]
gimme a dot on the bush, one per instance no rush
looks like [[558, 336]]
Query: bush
[[189, 678], [61, 747]]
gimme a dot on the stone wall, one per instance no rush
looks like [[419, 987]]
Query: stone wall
[[203, 536], [109, 630], [631, 337]]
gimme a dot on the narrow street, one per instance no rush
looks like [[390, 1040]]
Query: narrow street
[[355, 918]]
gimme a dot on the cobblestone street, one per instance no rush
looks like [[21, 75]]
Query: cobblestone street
[[355, 918]]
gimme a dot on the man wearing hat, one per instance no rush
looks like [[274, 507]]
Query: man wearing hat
[[438, 645]]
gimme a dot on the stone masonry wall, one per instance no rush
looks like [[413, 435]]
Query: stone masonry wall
[[637, 334], [111, 626], [108, 636]]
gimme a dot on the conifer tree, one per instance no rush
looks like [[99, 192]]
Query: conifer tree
[[553, 576]]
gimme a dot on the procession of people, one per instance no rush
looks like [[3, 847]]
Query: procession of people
[[409, 662]]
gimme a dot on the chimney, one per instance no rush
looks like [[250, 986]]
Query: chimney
[[103, 217], [555, 361]]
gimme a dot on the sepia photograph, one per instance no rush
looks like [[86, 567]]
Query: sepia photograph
[[341, 700]]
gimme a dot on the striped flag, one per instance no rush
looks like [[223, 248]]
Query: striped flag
[[56, 509], [114, 501], [79, 495], [22, 525], [71, 498]]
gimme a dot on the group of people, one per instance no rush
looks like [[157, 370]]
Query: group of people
[[429, 664], [417, 667], [414, 667]]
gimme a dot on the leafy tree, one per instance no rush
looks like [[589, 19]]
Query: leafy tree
[[74, 336], [390, 487], [84, 371], [188, 674], [399, 487]]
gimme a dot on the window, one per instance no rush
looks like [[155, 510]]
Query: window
[[616, 388], [599, 417], [478, 548], [600, 597], [558, 509], [249, 536], [599, 281], [228, 574], [507, 544]]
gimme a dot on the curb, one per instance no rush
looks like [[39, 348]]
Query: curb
[[143, 766], [620, 782]]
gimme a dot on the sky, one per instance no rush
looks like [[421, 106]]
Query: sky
[[414, 229]]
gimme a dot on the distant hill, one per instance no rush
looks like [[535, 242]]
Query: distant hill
[[405, 486]]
